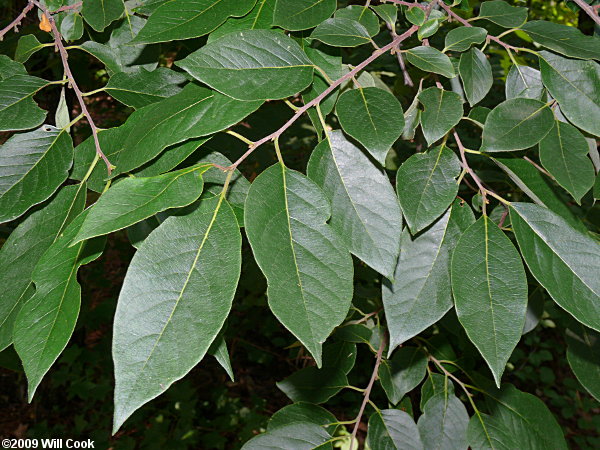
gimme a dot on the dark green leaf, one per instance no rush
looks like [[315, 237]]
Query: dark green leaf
[[261, 17], [442, 111], [295, 15], [313, 385], [26, 47], [443, 424], [563, 39], [524, 81], [9, 68], [435, 384], [295, 436], [476, 75], [302, 412], [218, 349], [392, 429], [415, 15], [341, 32], [428, 29], [583, 355], [363, 15], [461, 38], [429, 59], [18, 110], [171, 158], [387, 12], [101, 13], [503, 14], [71, 26], [402, 373]]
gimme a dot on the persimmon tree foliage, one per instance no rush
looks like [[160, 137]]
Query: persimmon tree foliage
[[464, 175]]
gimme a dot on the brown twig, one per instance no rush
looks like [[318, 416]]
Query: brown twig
[[367, 392], [589, 10], [64, 58], [15, 23], [67, 8], [461, 148], [407, 79]]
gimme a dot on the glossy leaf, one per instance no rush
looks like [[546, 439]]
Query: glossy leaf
[[444, 422], [341, 32], [402, 373], [490, 292], [415, 15], [426, 186], [373, 117], [251, 65], [563, 153], [32, 167], [363, 15], [476, 75], [516, 124], [428, 59], [503, 14], [46, 321], [442, 111], [23, 249], [524, 81], [364, 209], [27, 46], [421, 292], [184, 19], [101, 13], [295, 15], [563, 39], [387, 12], [295, 436], [583, 354], [261, 17], [18, 110], [461, 38], [574, 84], [392, 429], [562, 259], [175, 298], [285, 220], [428, 29], [302, 412], [134, 199]]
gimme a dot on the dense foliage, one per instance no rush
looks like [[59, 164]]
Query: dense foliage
[[416, 183]]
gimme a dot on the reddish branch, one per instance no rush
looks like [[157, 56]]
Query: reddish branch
[[407, 79], [15, 23], [64, 58], [67, 8], [589, 10]]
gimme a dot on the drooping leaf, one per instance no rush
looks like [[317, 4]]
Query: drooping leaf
[[516, 124], [460, 39], [27, 46], [524, 81], [563, 153], [341, 32], [295, 436], [18, 110], [490, 292], [185, 19], [563, 39], [32, 167], [444, 423], [285, 218], [46, 321], [565, 261], [364, 209], [251, 65], [218, 349], [583, 354], [503, 14], [421, 292], [373, 117], [434, 384], [261, 17], [101, 13], [175, 298], [476, 75], [313, 385], [134, 199], [387, 12], [442, 111], [170, 158], [24, 247], [392, 429], [363, 15], [429, 59], [295, 15], [62, 117], [402, 373], [574, 84], [426, 186], [302, 412], [132, 55]]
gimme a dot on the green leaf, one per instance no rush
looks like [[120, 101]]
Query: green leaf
[[162, 332], [101, 13], [387, 12], [574, 84], [583, 354], [71, 27], [313, 385], [9, 68], [135, 199], [428, 29], [364, 209], [130, 54], [171, 158], [524, 81], [341, 32], [261, 18], [461, 38], [18, 110], [373, 117], [503, 14], [295, 436], [140, 87], [415, 15], [412, 119], [444, 423], [218, 349], [402, 373], [563, 39], [251, 65], [295, 15], [490, 292], [392, 429], [563, 153], [46, 321], [105, 54], [516, 124], [516, 420], [302, 412], [476, 75], [429, 59], [442, 111], [62, 117], [26, 47], [24, 247], [562, 259], [308, 269], [185, 19], [32, 167], [421, 292], [426, 186], [434, 384], [363, 15]]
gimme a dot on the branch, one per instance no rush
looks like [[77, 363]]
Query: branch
[[64, 58], [67, 8], [367, 392], [376, 54], [589, 10], [15, 23], [407, 79]]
